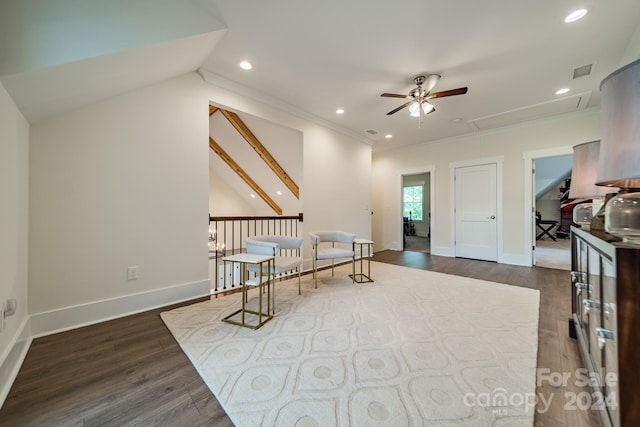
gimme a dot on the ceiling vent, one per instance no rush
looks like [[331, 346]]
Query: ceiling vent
[[583, 71], [372, 132]]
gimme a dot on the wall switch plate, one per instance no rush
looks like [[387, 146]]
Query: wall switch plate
[[132, 273]]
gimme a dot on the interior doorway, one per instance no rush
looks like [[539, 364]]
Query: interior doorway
[[551, 184], [539, 248], [416, 212]]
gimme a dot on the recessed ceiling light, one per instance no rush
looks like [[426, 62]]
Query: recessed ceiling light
[[279, 193], [575, 15], [253, 196], [245, 65], [562, 91], [388, 136], [339, 111]]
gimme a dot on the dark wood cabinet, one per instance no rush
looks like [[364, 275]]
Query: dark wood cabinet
[[605, 288]]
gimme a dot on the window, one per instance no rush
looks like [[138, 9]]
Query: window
[[412, 202]]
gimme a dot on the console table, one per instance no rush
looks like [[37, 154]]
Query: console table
[[605, 301]]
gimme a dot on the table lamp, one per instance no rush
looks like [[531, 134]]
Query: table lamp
[[619, 162], [583, 183]]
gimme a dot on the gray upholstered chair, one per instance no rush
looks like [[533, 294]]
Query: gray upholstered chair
[[332, 245], [285, 249]]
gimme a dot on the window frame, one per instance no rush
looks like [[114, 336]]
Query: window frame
[[404, 202]]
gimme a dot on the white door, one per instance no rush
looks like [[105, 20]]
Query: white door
[[476, 232]]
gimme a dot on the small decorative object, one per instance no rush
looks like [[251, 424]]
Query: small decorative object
[[622, 216], [619, 162]]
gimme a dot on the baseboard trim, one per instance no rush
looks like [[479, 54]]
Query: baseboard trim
[[67, 318], [442, 251], [13, 358], [513, 259]]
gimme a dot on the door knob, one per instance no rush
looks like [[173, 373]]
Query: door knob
[[492, 217]]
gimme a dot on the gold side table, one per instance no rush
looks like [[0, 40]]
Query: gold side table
[[361, 277], [259, 281]]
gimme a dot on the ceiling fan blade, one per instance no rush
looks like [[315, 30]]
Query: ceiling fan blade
[[399, 108], [451, 92], [430, 82], [395, 95]]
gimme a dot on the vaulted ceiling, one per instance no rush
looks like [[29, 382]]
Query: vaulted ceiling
[[311, 58]]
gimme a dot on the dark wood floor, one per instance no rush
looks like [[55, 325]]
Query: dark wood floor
[[131, 371]]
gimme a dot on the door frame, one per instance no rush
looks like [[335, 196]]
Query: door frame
[[498, 161], [529, 195], [430, 169]]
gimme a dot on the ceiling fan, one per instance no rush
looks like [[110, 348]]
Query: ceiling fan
[[418, 98]]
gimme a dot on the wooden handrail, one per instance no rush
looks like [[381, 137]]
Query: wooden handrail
[[299, 217]]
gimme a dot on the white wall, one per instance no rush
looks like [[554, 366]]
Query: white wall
[[224, 200], [337, 183], [509, 142], [14, 210], [121, 183], [125, 183]]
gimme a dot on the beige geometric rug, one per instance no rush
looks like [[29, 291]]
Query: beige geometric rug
[[412, 348]]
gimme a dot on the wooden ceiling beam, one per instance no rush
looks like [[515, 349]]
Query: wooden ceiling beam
[[245, 177], [212, 110], [246, 133]]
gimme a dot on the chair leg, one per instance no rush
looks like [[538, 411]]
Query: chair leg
[[315, 271], [331, 267], [299, 281], [353, 269]]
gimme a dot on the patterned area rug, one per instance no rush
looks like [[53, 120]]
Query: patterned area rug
[[412, 348]]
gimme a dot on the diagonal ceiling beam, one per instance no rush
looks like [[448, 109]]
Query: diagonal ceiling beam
[[212, 110], [245, 177], [262, 151]]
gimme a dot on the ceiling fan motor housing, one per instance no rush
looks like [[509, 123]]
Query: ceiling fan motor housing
[[422, 94]]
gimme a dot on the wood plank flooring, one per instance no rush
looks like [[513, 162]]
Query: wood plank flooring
[[130, 371]]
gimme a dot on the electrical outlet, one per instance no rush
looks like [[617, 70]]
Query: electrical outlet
[[132, 273], [10, 307]]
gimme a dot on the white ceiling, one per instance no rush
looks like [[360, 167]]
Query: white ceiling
[[315, 57]]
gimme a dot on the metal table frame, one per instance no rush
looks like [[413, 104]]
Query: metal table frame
[[259, 281], [361, 277]]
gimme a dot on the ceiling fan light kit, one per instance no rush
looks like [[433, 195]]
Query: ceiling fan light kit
[[418, 98]]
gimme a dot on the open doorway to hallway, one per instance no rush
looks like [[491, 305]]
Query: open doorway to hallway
[[553, 219], [416, 212]]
